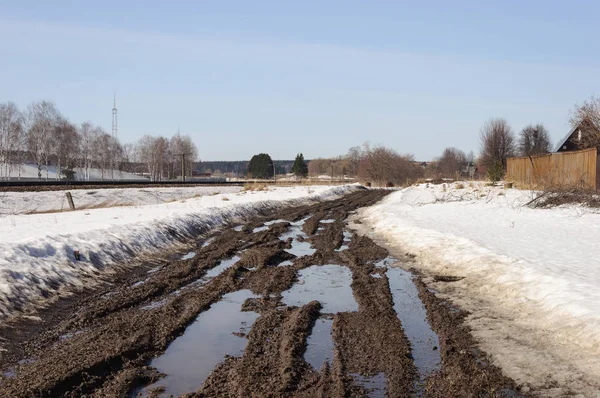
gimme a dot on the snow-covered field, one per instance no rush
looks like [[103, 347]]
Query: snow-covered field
[[532, 276], [13, 203], [30, 171], [37, 249]]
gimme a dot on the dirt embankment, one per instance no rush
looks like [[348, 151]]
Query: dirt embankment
[[103, 343]]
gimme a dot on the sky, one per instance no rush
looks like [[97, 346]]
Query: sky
[[317, 77]]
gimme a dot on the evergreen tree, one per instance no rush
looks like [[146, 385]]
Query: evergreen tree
[[261, 166], [300, 168]]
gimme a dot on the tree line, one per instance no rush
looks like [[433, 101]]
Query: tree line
[[42, 135]]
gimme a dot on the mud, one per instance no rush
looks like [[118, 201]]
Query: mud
[[290, 304]]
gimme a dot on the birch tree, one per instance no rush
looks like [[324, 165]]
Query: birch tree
[[41, 119], [11, 138]]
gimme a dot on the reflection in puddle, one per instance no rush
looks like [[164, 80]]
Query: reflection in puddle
[[191, 357], [413, 316], [319, 345], [329, 284], [376, 386]]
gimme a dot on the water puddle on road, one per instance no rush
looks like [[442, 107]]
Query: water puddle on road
[[375, 386], [188, 256], [319, 345], [190, 358], [347, 239], [329, 284], [300, 248], [209, 276], [413, 316]]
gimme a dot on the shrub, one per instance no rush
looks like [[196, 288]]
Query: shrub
[[496, 172]]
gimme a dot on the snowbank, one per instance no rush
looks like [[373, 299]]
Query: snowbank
[[37, 250], [13, 203], [30, 171], [529, 271]]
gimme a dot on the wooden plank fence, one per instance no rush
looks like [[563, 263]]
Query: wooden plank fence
[[576, 169]]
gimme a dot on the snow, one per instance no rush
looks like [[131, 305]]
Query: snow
[[37, 250], [532, 275], [29, 171], [12, 203]]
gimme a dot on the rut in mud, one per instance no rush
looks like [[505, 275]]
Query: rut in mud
[[289, 304]]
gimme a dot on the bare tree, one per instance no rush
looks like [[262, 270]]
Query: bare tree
[[384, 166], [452, 162], [11, 138], [587, 117], [41, 119], [65, 145], [497, 143], [534, 140], [88, 134]]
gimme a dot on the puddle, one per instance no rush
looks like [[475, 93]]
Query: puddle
[[269, 223], [330, 221], [211, 274], [299, 249], [285, 263], [376, 386], [260, 229], [188, 256], [319, 345], [238, 228], [329, 284], [190, 358], [154, 304], [413, 316], [347, 239], [386, 262], [208, 241]]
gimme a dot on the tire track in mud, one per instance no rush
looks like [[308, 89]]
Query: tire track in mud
[[106, 346]]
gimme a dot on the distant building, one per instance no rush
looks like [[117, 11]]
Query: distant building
[[572, 141]]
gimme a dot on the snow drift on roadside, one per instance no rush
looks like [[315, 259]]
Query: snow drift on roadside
[[541, 266], [12, 203], [37, 250]]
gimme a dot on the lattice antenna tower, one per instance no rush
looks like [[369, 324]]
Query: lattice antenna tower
[[114, 117]]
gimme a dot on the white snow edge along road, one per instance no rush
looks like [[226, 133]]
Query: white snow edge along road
[[532, 276], [37, 250]]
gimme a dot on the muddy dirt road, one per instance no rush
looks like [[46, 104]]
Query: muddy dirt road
[[291, 304]]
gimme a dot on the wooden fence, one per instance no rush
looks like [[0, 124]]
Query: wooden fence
[[555, 170]]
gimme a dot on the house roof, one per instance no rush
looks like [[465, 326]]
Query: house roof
[[564, 140]]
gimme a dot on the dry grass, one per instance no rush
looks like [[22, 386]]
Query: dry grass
[[225, 198], [558, 197], [459, 186], [255, 186]]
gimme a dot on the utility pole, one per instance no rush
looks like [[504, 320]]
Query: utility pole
[[183, 155], [274, 173]]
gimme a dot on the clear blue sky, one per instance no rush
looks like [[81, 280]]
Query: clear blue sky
[[317, 77]]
